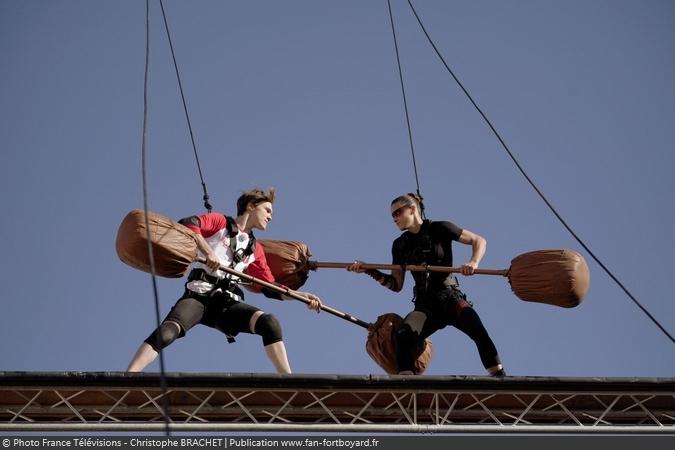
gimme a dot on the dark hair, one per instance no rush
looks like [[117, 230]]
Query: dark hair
[[254, 196], [411, 199]]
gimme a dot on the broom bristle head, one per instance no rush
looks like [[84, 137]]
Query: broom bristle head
[[173, 245], [555, 277], [381, 345], [287, 261]]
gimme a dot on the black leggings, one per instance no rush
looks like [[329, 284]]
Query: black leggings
[[228, 316], [448, 308]]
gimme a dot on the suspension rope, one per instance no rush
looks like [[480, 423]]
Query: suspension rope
[[405, 106], [207, 205], [162, 377], [522, 171]]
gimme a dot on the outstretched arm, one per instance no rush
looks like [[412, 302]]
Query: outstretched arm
[[314, 300], [393, 281], [261, 269]]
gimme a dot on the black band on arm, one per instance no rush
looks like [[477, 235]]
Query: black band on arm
[[270, 293], [385, 280], [192, 220], [375, 275]]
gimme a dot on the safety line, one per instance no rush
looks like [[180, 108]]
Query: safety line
[[151, 258], [207, 205], [522, 171], [405, 106]]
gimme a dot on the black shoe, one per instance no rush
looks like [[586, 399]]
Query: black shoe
[[499, 374]]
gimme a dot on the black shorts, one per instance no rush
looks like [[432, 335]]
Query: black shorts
[[218, 311], [442, 308]]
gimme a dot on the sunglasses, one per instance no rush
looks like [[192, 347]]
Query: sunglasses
[[398, 211]]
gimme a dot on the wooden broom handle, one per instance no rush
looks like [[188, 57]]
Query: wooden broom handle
[[314, 265], [290, 293]]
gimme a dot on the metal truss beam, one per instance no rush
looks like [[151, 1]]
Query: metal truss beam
[[74, 402]]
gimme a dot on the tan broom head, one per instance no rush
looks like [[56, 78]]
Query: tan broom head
[[556, 277], [173, 245], [382, 347], [287, 261]]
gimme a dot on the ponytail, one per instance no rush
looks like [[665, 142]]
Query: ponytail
[[419, 200], [412, 198]]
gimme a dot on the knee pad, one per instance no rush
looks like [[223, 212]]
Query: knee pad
[[269, 328], [163, 336]]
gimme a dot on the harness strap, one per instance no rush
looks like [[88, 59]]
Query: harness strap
[[232, 232], [221, 286], [201, 275]]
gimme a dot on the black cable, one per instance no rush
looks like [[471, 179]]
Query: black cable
[[405, 104], [207, 205], [522, 171], [162, 377]]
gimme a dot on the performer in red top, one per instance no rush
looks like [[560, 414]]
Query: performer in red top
[[214, 298]]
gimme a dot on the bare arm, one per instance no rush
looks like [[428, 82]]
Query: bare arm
[[314, 300], [478, 245], [212, 261], [194, 223]]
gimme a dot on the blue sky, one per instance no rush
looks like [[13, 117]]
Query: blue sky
[[304, 96]]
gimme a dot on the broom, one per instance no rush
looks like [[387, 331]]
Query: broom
[[175, 249], [555, 277]]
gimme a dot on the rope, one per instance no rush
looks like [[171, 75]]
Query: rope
[[207, 205], [405, 106], [162, 377], [522, 171]]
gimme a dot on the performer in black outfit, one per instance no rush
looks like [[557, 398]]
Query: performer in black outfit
[[438, 300]]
